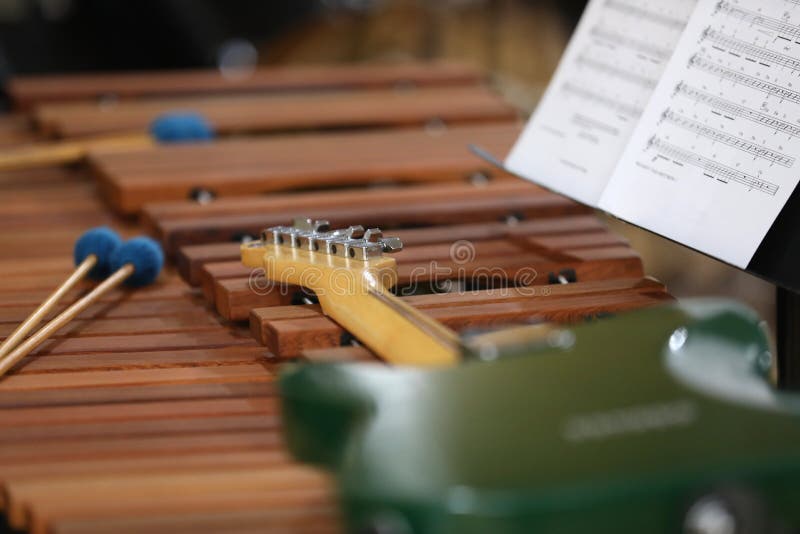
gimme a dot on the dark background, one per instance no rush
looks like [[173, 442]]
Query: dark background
[[73, 35]]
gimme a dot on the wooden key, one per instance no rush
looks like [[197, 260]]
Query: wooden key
[[235, 293], [251, 166], [192, 258], [290, 331], [176, 234], [28, 91], [260, 113]]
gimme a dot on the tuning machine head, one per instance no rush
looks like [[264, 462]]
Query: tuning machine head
[[353, 242]]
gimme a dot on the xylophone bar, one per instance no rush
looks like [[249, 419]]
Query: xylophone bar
[[192, 258], [15, 130], [438, 210], [132, 179], [29, 91], [270, 113], [229, 285], [153, 215], [290, 331]]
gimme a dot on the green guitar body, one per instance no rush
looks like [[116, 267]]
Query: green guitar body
[[659, 421]]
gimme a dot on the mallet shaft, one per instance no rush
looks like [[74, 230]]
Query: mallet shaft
[[64, 317], [40, 312]]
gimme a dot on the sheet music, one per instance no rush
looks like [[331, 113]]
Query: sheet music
[[714, 158], [609, 70]]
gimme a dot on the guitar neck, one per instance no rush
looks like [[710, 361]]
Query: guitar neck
[[398, 333]]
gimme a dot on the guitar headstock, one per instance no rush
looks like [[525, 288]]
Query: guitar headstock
[[311, 254], [350, 274]]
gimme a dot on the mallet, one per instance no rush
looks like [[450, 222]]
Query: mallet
[[92, 256], [136, 263], [176, 127]]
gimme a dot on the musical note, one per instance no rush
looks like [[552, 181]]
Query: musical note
[[617, 72], [758, 19], [638, 45], [762, 56], [736, 110], [635, 9], [616, 105], [593, 124], [712, 168], [758, 84], [718, 136]]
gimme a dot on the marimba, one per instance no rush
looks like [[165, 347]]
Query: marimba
[[156, 410]]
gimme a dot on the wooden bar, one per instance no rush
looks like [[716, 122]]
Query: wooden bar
[[190, 461], [270, 113], [290, 338], [196, 320], [29, 91], [154, 214], [150, 490], [319, 520], [234, 294], [339, 355], [45, 417], [536, 204], [192, 258], [131, 179], [121, 361], [290, 331], [123, 309], [103, 394], [132, 377]]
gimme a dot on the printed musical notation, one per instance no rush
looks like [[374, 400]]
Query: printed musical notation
[[758, 84], [646, 48], [784, 30], [711, 169], [748, 52], [718, 138], [646, 13], [606, 77], [618, 106], [757, 151], [729, 110], [592, 124], [618, 72]]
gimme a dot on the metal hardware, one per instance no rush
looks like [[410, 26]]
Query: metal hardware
[[201, 195], [242, 237], [316, 236], [564, 276], [480, 178]]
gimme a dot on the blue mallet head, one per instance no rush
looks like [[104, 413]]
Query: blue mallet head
[[181, 127], [146, 257], [102, 242]]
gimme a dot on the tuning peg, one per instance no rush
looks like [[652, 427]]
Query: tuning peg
[[373, 235], [391, 244], [310, 225], [316, 236], [355, 232]]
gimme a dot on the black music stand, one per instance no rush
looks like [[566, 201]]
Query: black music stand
[[788, 338], [778, 260]]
